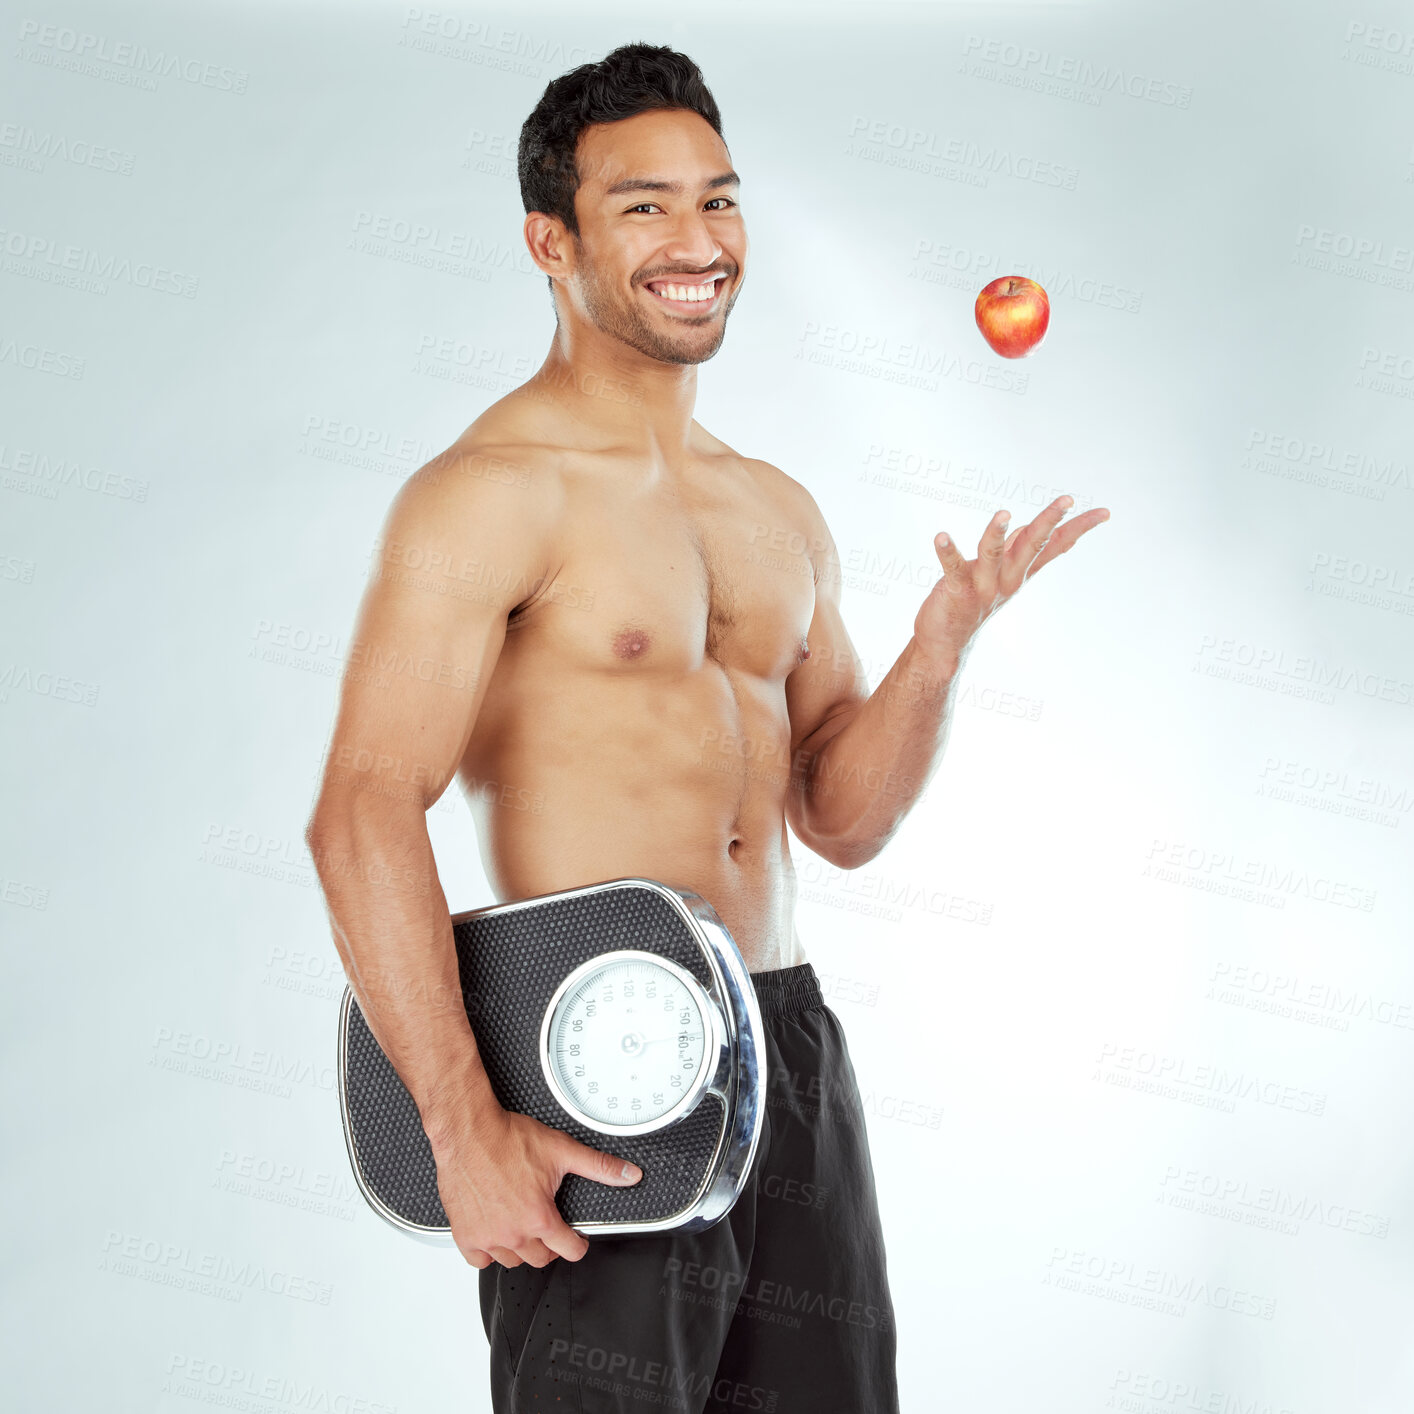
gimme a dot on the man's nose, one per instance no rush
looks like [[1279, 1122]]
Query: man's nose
[[692, 242]]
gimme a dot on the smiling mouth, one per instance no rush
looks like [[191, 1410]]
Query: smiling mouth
[[696, 294]]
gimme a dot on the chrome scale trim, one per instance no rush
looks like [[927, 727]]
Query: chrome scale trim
[[740, 1089], [745, 1112], [434, 1236]]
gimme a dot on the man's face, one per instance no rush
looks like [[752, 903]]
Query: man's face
[[662, 248]]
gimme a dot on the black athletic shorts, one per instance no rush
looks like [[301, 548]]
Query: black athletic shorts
[[781, 1306]]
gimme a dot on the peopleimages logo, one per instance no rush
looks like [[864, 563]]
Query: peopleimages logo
[[1379, 47], [40, 257], [512, 51], [208, 1273], [1291, 994], [81, 51], [1063, 76], [649, 1381], [51, 472], [1263, 1205], [1209, 1085], [23, 146], [1153, 1288], [209, 1381], [1142, 1392], [902, 362], [956, 159], [776, 1302]]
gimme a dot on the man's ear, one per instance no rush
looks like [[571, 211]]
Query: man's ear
[[550, 244]]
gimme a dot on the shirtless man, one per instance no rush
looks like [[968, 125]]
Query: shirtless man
[[623, 638]]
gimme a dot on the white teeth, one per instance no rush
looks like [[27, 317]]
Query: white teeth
[[692, 294]]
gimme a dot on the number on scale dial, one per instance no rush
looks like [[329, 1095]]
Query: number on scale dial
[[627, 1039]]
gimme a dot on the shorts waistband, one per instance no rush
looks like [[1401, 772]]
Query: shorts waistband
[[786, 990]]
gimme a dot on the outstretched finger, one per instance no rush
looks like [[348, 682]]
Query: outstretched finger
[[1066, 536], [1032, 539], [991, 546], [949, 556], [991, 549]]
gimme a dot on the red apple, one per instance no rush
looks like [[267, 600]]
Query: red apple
[[1013, 314]]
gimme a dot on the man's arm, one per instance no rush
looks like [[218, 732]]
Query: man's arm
[[861, 760], [465, 541]]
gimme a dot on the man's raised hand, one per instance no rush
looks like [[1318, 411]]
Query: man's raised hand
[[970, 591]]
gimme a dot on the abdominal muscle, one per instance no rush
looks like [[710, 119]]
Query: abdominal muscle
[[581, 777]]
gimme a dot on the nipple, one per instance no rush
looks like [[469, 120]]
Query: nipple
[[631, 643]]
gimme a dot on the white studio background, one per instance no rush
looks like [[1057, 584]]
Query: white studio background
[[1130, 996]]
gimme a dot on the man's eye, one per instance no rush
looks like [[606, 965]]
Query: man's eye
[[726, 199], [644, 206]]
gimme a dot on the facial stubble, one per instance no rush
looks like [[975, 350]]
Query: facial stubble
[[625, 321]]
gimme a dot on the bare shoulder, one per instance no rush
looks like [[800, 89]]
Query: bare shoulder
[[496, 475], [488, 507], [800, 512], [778, 486], [787, 488]]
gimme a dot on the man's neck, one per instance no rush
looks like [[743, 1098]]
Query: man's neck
[[628, 396]]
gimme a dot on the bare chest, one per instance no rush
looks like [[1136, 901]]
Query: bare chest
[[664, 583]]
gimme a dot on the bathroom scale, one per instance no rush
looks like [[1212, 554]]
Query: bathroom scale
[[621, 1013]]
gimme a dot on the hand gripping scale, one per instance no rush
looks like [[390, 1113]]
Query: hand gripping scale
[[621, 1013]]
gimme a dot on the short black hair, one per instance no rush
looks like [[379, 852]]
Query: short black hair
[[632, 79]]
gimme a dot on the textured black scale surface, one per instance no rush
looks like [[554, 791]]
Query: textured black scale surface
[[510, 965]]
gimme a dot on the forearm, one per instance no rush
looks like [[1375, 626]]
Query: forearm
[[862, 782], [393, 932]]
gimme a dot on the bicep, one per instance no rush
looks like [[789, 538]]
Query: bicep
[[458, 551], [825, 691]]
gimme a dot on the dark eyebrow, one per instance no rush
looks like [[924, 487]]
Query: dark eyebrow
[[727, 179]]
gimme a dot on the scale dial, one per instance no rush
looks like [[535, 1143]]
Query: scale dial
[[629, 1042]]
